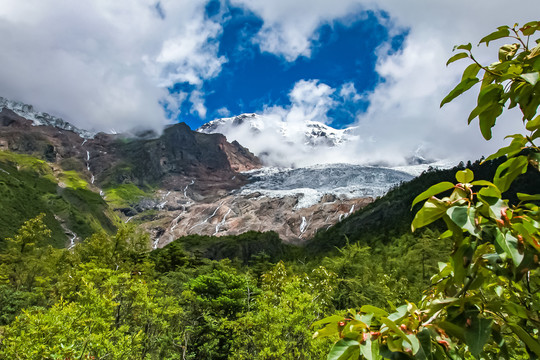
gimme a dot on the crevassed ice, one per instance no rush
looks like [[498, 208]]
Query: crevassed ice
[[310, 184]]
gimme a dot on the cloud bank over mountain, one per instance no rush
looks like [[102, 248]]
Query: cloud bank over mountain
[[119, 65]]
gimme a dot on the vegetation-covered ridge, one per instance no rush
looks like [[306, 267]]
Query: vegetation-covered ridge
[[30, 186]]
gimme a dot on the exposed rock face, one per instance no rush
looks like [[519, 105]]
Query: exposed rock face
[[178, 155], [235, 214]]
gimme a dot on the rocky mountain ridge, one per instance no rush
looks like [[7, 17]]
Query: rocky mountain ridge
[[41, 118]]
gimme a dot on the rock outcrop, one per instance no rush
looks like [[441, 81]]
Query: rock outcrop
[[105, 160]]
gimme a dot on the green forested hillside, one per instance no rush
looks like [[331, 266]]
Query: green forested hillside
[[30, 186], [111, 297]]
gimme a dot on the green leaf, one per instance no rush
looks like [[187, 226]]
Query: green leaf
[[535, 51], [482, 183], [471, 71], [415, 344], [370, 309], [490, 94], [465, 176], [501, 33], [463, 217], [507, 52], [491, 197], [513, 249], [487, 119], [531, 78], [526, 197], [453, 329], [392, 326], [366, 318], [533, 124], [433, 190], [438, 304], [457, 57], [467, 47], [461, 261], [424, 338], [476, 111], [530, 27], [328, 330], [524, 336], [399, 314], [344, 349], [513, 149], [431, 211], [331, 327], [507, 246], [460, 88], [477, 335], [508, 171], [370, 350], [328, 320], [489, 108]]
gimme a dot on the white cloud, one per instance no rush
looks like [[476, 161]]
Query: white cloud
[[348, 92], [289, 27], [105, 63], [197, 101], [310, 100], [404, 110], [223, 112], [173, 102], [191, 56]]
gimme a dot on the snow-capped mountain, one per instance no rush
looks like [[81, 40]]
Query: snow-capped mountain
[[41, 118], [315, 133], [284, 142]]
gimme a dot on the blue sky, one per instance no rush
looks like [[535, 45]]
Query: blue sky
[[343, 52]]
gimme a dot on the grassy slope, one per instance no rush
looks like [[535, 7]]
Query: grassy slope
[[28, 187]]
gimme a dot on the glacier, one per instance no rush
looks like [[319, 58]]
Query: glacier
[[310, 184]]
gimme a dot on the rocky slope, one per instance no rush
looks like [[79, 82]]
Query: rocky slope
[[295, 203]]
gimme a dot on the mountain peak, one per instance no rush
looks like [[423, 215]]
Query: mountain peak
[[315, 133], [41, 118]]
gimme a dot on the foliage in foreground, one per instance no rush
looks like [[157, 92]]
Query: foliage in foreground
[[484, 302], [108, 297]]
